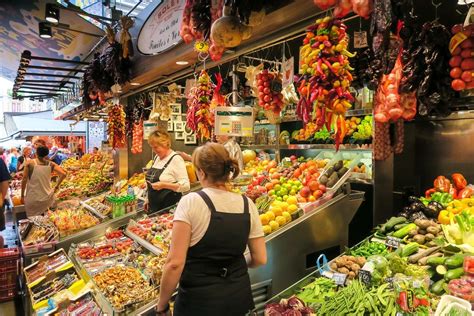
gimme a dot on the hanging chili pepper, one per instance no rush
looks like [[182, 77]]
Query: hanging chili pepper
[[429, 192], [459, 181], [453, 191]]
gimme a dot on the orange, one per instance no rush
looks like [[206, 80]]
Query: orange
[[287, 216], [280, 220], [267, 229], [264, 219], [311, 198], [292, 200], [274, 225], [269, 186], [276, 210], [271, 215]]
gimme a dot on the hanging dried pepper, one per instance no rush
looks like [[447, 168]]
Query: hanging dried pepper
[[199, 116]]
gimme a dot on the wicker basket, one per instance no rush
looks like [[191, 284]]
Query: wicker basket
[[272, 117]]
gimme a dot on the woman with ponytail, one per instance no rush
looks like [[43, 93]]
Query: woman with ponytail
[[211, 231]]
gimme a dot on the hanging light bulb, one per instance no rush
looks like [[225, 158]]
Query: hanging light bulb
[[52, 13], [45, 30]]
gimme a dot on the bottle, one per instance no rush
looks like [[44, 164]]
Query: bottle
[[130, 191]]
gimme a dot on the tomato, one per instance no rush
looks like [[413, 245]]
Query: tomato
[[456, 29], [467, 64], [455, 61], [466, 76], [455, 72], [458, 85]]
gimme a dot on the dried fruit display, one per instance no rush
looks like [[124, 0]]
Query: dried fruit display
[[199, 117], [116, 126]]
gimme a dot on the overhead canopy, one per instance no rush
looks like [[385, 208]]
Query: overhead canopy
[[22, 125]]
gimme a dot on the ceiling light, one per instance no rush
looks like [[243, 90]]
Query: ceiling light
[[135, 83], [40, 99], [101, 120], [45, 30], [52, 13], [182, 62], [86, 119]]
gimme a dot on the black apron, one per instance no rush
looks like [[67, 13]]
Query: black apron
[[215, 279], [158, 200]]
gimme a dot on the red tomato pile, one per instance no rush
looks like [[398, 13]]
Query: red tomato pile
[[462, 63], [269, 99]]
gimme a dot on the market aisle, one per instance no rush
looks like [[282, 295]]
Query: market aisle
[[7, 309]]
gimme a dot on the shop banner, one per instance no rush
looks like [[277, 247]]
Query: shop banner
[[161, 30], [234, 121]]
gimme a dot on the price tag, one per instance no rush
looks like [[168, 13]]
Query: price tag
[[288, 71], [360, 40], [365, 277], [339, 278], [389, 281], [392, 242], [201, 46]]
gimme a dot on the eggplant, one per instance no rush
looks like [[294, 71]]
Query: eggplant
[[417, 215], [404, 213], [433, 209], [413, 199], [416, 206]]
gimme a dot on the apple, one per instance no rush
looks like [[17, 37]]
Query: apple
[[305, 192]]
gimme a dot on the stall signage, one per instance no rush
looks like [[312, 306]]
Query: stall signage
[[234, 121], [339, 278], [148, 128], [288, 71], [365, 277], [161, 30], [392, 242]]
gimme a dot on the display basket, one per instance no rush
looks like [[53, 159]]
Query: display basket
[[7, 293], [9, 257], [28, 271], [341, 155], [272, 117], [366, 158]]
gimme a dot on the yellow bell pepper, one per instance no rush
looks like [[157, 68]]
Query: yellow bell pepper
[[444, 217]]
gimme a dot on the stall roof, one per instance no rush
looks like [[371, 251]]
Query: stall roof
[[22, 125]]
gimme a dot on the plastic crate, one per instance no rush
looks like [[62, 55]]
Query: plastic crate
[[7, 293], [8, 276], [9, 257]]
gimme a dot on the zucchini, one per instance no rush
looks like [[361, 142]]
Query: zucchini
[[438, 287], [388, 226], [431, 273], [454, 274], [455, 261], [402, 232], [441, 270], [410, 249], [399, 226], [435, 261]]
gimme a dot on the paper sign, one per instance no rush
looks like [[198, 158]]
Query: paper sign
[[339, 278], [392, 242], [360, 40], [288, 71], [148, 128], [365, 277]]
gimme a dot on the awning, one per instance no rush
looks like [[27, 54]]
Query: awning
[[22, 125]]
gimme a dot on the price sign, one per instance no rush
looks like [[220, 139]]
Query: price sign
[[360, 40], [389, 281], [392, 242], [288, 71], [365, 277], [339, 278]]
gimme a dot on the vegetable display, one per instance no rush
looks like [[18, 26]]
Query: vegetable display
[[317, 292], [199, 118], [349, 265], [137, 138], [460, 231], [368, 249], [324, 84]]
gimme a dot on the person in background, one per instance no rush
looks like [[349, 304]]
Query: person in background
[[12, 160], [4, 184], [233, 148], [36, 192], [37, 143], [26, 155], [3, 155], [167, 179], [95, 150], [211, 230], [79, 152]]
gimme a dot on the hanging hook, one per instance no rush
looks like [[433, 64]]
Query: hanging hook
[[436, 6]]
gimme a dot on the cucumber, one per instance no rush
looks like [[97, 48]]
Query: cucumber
[[438, 287], [454, 274], [441, 270], [435, 261], [455, 261], [410, 249], [431, 273], [399, 226]]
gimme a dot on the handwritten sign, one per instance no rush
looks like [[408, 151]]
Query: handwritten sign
[[392, 242], [360, 40], [161, 30], [339, 278], [365, 277]]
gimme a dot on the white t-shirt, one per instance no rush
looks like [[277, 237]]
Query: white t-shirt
[[193, 210], [175, 172]]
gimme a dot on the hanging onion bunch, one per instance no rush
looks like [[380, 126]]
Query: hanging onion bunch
[[199, 117]]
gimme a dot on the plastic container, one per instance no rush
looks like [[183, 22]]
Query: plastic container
[[462, 288], [448, 300]]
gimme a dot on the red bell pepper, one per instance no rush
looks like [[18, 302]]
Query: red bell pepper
[[402, 301], [465, 193], [442, 184], [459, 181], [453, 191], [429, 192]]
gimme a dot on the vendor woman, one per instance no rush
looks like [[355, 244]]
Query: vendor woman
[[167, 179]]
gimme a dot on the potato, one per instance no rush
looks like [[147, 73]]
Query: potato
[[433, 230], [429, 237], [343, 270], [420, 239]]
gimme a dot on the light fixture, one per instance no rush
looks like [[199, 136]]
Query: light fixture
[[135, 83], [45, 30], [32, 99], [52, 13], [101, 119], [182, 62], [86, 119]]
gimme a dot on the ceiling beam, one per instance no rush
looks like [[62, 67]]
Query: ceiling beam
[[41, 89], [58, 60], [50, 75], [47, 82], [55, 68]]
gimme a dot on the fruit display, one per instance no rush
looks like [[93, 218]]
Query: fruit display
[[461, 62], [269, 88], [332, 174], [69, 220], [199, 118], [123, 286], [324, 84], [84, 305], [155, 230], [99, 204], [42, 267], [363, 129], [116, 126], [37, 230]]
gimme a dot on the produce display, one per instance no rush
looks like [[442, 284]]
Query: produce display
[[199, 118], [85, 305], [155, 230], [137, 137], [269, 91], [70, 220], [42, 267], [37, 230], [462, 63], [349, 265]]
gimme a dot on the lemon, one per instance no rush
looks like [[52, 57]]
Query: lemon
[[280, 220], [292, 208], [287, 216], [274, 225], [292, 200], [264, 219], [267, 229], [277, 210], [284, 206], [270, 215]]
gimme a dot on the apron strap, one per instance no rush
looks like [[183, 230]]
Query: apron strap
[[246, 204], [169, 161], [207, 200]]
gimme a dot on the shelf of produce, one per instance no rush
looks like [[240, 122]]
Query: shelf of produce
[[262, 147], [325, 146], [288, 248], [356, 112]]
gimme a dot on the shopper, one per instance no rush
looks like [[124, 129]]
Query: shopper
[[233, 148], [4, 184], [95, 150], [26, 155], [12, 160], [3, 155], [211, 231], [79, 152], [167, 179], [36, 183]]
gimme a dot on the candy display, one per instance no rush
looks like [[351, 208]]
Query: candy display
[[43, 266]]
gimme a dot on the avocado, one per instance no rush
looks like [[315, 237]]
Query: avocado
[[323, 180], [342, 171], [338, 165], [329, 172], [332, 180]]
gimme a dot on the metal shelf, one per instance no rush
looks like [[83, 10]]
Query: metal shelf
[[263, 147], [357, 112]]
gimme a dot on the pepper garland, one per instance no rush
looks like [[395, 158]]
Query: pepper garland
[[199, 117]]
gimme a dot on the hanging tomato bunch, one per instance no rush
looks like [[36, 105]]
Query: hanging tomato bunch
[[116, 126], [269, 91], [137, 137], [199, 116], [326, 78]]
